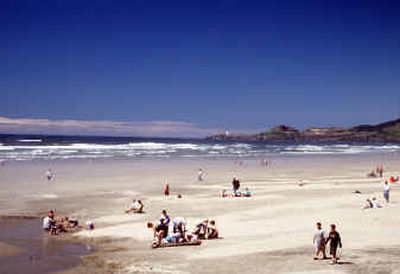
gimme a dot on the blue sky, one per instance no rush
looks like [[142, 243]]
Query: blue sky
[[222, 64]]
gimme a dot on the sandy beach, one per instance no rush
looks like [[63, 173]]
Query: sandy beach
[[270, 232]]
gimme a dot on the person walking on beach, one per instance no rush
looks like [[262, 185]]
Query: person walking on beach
[[335, 242], [379, 170], [200, 175], [386, 192], [319, 242], [49, 175]]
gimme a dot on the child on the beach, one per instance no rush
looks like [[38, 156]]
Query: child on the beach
[[319, 242], [335, 242]]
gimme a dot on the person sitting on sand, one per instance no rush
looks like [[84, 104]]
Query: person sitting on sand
[[319, 242], [212, 231], [173, 238], [49, 223], [70, 223], [201, 229], [368, 204], [191, 238], [179, 226], [135, 207], [247, 192], [236, 186], [335, 242], [372, 174], [163, 224], [375, 203]]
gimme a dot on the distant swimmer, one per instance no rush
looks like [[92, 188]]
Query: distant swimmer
[[49, 175]]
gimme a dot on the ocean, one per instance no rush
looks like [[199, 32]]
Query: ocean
[[33, 147]]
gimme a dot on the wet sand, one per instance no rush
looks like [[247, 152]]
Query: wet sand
[[270, 232], [24, 247]]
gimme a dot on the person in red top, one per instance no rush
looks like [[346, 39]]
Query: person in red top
[[166, 189], [393, 180]]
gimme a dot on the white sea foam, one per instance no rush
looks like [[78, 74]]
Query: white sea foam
[[165, 149], [30, 140]]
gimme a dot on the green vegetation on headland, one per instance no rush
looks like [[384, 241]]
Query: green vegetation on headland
[[388, 132]]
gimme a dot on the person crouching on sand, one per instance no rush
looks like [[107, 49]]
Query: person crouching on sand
[[201, 229], [335, 242], [163, 224], [135, 207], [319, 242], [212, 231], [49, 223]]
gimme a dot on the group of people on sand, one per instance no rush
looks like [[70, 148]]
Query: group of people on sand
[[163, 235], [236, 190], [55, 225], [321, 239], [373, 203], [378, 172]]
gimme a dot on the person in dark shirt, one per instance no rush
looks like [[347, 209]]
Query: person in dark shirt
[[235, 186], [335, 241]]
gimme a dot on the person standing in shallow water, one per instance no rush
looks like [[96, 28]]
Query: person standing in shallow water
[[335, 242]]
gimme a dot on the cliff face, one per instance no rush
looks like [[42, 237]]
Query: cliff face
[[388, 132]]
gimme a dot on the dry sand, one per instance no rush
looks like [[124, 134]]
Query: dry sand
[[270, 232]]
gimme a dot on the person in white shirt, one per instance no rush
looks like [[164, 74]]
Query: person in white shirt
[[319, 242], [49, 223], [200, 175], [179, 226], [135, 207], [49, 175], [375, 203], [386, 192]]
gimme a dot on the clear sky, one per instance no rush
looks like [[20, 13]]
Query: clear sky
[[236, 64]]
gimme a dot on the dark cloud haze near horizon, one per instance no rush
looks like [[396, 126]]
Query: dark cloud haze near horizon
[[238, 65]]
